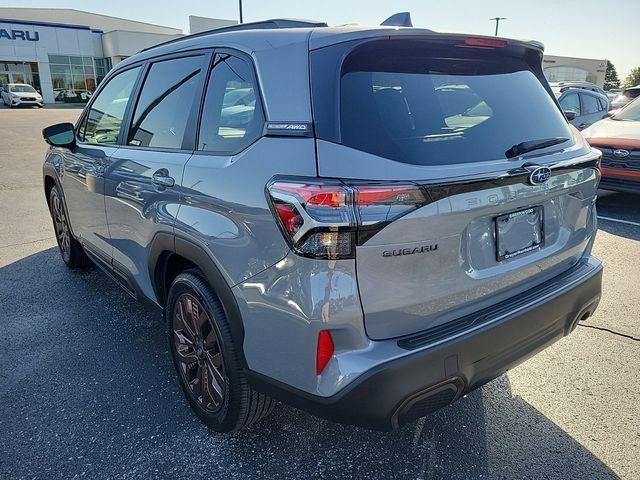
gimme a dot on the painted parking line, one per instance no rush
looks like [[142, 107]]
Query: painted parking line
[[626, 222]]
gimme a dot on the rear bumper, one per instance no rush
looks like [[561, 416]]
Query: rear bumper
[[431, 377]]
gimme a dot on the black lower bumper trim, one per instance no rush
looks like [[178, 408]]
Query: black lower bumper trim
[[423, 381]]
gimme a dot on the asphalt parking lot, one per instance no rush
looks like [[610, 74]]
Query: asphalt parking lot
[[87, 388]]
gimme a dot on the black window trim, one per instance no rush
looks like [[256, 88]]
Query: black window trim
[[259, 98], [188, 141]]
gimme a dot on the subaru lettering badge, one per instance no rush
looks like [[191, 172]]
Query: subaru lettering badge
[[621, 152], [539, 175]]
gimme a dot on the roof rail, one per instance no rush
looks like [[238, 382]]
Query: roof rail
[[274, 23]]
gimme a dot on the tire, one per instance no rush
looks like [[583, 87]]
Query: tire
[[71, 251], [209, 357]]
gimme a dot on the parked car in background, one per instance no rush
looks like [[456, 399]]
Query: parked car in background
[[625, 97], [618, 137], [367, 223], [17, 94], [589, 106], [560, 87], [611, 94]]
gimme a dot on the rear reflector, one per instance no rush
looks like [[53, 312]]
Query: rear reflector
[[485, 42], [324, 350]]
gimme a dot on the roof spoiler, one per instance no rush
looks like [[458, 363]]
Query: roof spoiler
[[402, 19]]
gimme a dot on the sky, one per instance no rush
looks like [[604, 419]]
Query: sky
[[577, 28]]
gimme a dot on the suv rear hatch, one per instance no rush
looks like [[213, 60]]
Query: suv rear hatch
[[465, 121]]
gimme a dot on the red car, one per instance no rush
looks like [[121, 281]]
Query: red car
[[618, 137]]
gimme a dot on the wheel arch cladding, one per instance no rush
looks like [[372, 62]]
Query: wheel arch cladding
[[170, 256]]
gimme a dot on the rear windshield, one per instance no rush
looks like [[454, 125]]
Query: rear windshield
[[413, 102]]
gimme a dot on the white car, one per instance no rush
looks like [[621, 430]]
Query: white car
[[16, 94]]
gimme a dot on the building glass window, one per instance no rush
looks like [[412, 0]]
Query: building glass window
[[102, 66], [26, 72], [74, 78], [566, 73]]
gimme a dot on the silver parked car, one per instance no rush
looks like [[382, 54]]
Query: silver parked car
[[19, 94], [364, 222], [583, 107]]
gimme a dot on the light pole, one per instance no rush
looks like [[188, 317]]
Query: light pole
[[240, 5], [496, 19]]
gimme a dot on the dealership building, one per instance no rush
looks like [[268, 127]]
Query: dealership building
[[563, 69], [65, 53]]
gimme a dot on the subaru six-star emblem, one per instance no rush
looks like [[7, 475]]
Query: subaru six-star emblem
[[539, 175], [621, 152]]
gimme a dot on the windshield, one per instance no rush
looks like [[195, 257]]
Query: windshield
[[413, 102], [22, 88], [629, 113]]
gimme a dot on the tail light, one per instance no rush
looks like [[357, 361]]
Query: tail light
[[328, 218]]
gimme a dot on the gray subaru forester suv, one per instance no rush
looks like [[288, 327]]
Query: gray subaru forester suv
[[364, 222]]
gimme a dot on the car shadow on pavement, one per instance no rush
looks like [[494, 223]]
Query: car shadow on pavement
[[620, 206], [87, 388]]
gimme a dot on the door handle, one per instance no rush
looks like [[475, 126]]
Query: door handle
[[582, 125], [162, 178]]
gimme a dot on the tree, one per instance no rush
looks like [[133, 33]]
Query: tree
[[611, 79], [633, 78]]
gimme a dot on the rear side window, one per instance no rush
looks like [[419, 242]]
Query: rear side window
[[105, 115], [166, 100], [423, 103], [589, 104], [232, 116], [571, 102]]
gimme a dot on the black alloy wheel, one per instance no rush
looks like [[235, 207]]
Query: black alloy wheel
[[198, 352], [70, 249], [207, 359], [61, 226]]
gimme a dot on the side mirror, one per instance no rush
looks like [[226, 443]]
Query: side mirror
[[60, 135], [570, 115]]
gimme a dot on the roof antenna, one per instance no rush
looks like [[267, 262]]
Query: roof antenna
[[402, 19]]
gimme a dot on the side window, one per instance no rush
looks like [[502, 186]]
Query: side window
[[232, 116], [107, 110], [603, 104], [589, 104], [162, 112], [571, 102]]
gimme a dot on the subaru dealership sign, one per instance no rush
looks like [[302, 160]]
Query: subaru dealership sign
[[25, 35]]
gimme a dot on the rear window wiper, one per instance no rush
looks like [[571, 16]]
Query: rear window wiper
[[531, 145]]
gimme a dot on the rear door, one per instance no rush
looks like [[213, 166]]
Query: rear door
[[452, 118], [144, 175]]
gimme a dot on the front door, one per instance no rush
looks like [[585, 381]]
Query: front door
[[84, 166], [144, 175]]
